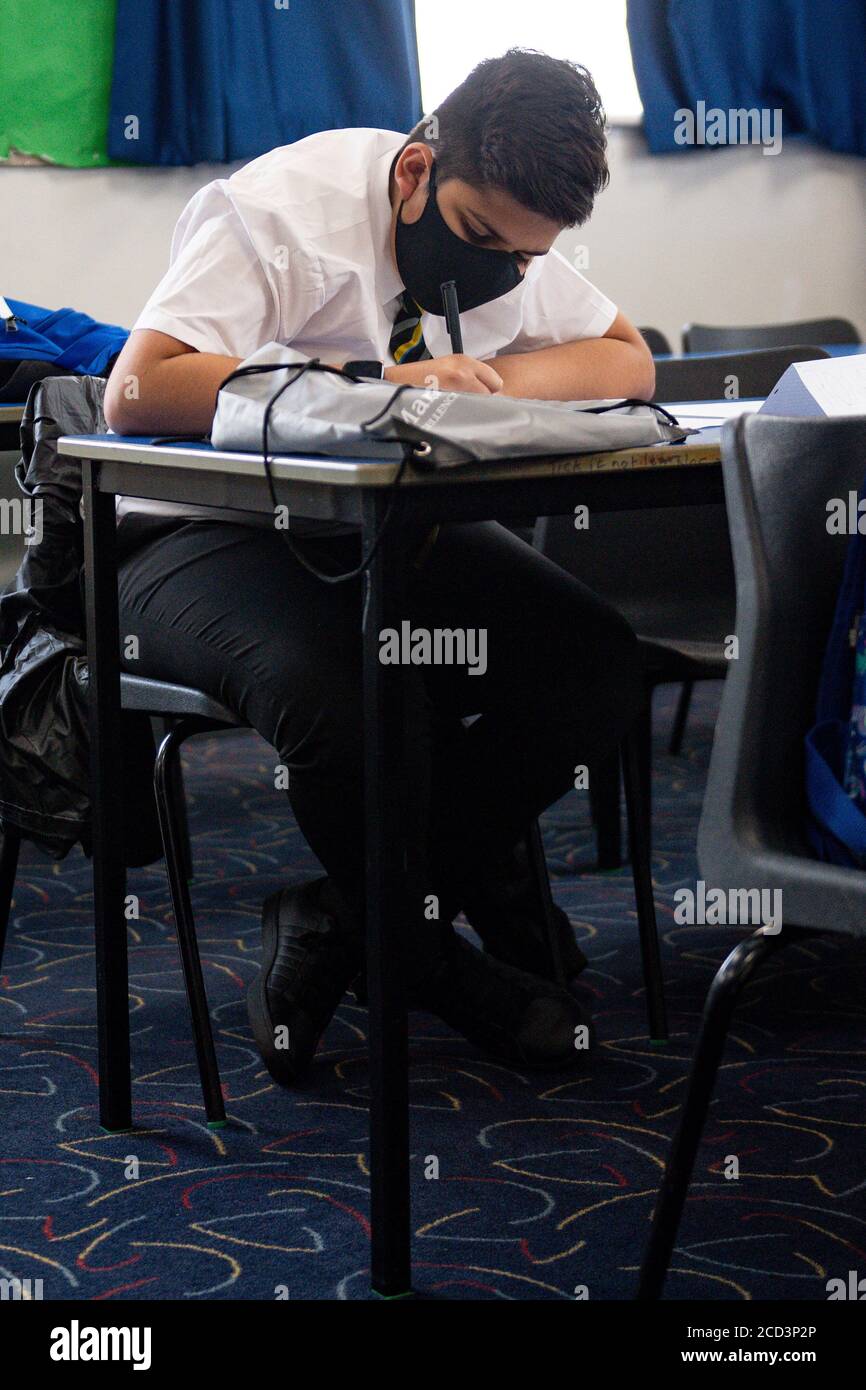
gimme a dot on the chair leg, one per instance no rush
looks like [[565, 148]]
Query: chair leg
[[635, 771], [682, 714], [721, 1001], [171, 822], [639, 742], [8, 870], [537, 861], [179, 798], [604, 804]]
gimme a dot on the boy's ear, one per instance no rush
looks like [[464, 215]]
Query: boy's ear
[[412, 170]]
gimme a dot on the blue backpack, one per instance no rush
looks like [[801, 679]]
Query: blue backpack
[[836, 744], [67, 338]]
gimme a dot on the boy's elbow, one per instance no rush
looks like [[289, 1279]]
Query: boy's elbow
[[650, 380], [118, 409], [645, 375]]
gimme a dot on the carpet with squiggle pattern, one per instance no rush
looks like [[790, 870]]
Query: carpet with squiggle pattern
[[544, 1184]]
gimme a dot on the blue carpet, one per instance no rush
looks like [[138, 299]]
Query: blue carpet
[[544, 1184]]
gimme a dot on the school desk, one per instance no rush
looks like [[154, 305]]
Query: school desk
[[359, 492]]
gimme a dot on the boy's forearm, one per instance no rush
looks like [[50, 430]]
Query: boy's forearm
[[591, 369], [176, 395]]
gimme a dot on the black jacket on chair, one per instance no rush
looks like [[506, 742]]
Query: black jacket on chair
[[44, 746]]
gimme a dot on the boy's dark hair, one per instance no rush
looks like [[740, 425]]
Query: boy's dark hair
[[528, 123]]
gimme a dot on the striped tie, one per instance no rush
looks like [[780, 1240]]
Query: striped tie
[[407, 336], [407, 345]]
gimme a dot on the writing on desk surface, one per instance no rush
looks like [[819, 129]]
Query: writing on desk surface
[[639, 458]]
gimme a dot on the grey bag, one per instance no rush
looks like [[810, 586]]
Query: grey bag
[[323, 412]]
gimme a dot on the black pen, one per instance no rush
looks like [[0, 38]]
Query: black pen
[[452, 315]]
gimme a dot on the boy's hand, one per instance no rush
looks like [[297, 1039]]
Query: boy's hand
[[454, 373]]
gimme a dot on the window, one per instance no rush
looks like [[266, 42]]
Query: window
[[454, 35]]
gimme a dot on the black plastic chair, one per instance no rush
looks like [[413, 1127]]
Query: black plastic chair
[[705, 337], [655, 340], [709, 378], [669, 572], [779, 474], [185, 712]]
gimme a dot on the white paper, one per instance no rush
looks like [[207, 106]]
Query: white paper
[[702, 415], [836, 384]]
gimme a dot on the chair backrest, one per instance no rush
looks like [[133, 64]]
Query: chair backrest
[[780, 474], [637, 559], [705, 337], [655, 340], [709, 378]]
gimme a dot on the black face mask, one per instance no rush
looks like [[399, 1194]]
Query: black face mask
[[429, 253]]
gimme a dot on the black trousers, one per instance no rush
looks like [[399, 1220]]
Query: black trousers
[[228, 609]]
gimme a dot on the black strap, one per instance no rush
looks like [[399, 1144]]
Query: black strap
[[314, 364], [629, 400]]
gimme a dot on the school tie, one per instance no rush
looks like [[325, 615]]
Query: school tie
[[407, 337], [407, 345]]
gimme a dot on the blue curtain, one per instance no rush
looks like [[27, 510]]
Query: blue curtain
[[223, 80], [805, 57]]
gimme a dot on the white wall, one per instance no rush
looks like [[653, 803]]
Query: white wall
[[727, 235]]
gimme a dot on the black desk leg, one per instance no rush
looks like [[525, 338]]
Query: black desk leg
[[109, 874], [387, 916]]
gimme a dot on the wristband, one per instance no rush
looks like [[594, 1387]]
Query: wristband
[[366, 369]]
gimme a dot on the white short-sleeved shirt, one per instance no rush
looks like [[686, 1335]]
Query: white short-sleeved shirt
[[295, 248]]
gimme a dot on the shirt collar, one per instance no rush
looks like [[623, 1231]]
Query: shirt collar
[[388, 282]]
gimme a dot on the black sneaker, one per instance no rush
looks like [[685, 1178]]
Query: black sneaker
[[515, 1016], [503, 906], [311, 950]]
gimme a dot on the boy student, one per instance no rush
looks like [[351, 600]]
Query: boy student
[[338, 245]]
